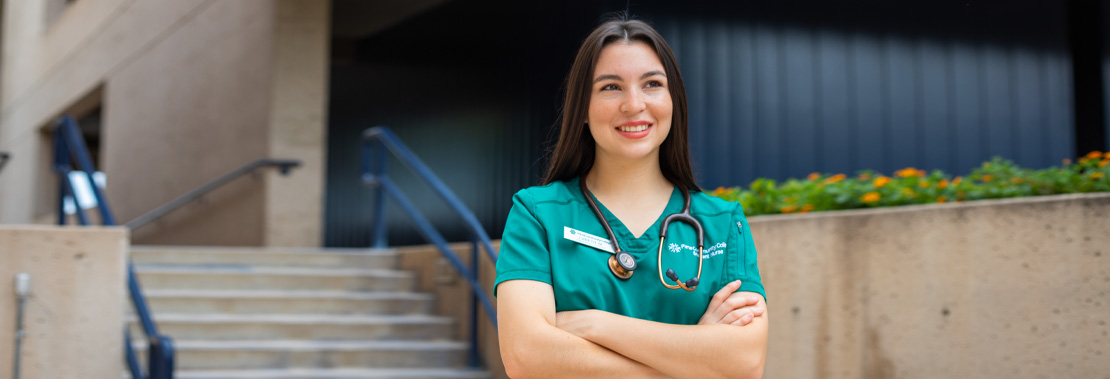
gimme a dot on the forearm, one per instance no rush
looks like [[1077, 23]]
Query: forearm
[[548, 351], [721, 351]]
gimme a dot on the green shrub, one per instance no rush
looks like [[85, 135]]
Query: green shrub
[[998, 178]]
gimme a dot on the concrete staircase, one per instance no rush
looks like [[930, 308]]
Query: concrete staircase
[[295, 313]]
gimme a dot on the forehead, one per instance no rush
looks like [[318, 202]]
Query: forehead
[[626, 59]]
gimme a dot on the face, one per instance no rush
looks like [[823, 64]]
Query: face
[[630, 102]]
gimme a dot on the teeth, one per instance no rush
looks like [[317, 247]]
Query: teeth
[[633, 129]]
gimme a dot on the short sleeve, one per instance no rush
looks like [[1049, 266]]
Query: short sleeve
[[747, 266], [524, 252]]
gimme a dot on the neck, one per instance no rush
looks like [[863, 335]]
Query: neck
[[627, 178]]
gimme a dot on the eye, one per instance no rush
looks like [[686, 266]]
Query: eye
[[653, 84], [610, 87]]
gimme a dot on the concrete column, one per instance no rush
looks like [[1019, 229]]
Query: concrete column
[[298, 123], [74, 316]]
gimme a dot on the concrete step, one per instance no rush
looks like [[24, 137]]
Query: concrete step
[[280, 354], [207, 277], [339, 373], [288, 302], [262, 257], [216, 327]]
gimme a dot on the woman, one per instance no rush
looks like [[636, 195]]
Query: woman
[[570, 301]]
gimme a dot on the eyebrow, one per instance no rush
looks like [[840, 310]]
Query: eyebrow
[[644, 76]]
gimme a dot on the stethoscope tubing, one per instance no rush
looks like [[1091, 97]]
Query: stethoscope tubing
[[618, 262]]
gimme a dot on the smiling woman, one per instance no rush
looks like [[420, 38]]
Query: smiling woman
[[570, 301]]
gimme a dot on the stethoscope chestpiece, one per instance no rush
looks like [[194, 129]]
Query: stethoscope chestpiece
[[622, 264]]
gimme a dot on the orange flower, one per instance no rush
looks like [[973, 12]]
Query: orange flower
[[1083, 160], [719, 191], [1068, 161], [942, 184], [1094, 155], [870, 197], [835, 178], [987, 178], [957, 181], [814, 176], [1016, 180], [1096, 175], [807, 208], [880, 181], [909, 172], [789, 209], [1103, 163], [942, 199], [1106, 155], [864, 177], [923, 184]]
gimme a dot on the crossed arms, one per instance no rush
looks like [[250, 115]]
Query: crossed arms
[[730, 340]]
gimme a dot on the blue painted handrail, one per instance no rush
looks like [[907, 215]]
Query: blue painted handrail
[[69, 146], [4, 159], [375, 142]]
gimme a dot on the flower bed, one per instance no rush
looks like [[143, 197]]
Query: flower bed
[[998, 178]]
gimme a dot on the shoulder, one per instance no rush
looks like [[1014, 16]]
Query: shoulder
[[705, 205], [557, 192]]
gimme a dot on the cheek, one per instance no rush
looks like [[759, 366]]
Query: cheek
[[663, 108]]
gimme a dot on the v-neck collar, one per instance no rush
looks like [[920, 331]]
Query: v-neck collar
[[627, 240]]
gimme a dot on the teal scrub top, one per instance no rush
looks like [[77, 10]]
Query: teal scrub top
[[541, 243]]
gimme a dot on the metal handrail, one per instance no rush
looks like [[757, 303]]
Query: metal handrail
[[4, 157], [284, 165], [69, 145], [375, 141]]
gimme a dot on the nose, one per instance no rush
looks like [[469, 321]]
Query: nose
[[633, 102]]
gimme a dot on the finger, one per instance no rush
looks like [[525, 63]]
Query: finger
[[734, 316], [723, 294], [739, 301], [743, 320]]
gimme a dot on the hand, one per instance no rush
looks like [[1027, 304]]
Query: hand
[[575, 322], [731, 308]]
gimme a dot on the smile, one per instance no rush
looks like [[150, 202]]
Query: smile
[[634, 128]]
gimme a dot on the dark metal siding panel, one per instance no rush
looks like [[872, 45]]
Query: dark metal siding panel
[[812, 99], [835, 95], [869, 102]]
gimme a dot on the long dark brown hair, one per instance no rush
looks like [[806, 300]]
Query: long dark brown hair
[[574, 153]]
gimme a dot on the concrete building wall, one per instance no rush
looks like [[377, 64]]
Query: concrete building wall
[[74, 317], [189, 90]]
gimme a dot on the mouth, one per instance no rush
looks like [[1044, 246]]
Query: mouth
[[633, 128]]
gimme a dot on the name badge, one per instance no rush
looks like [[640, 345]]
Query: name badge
[[588, 239]]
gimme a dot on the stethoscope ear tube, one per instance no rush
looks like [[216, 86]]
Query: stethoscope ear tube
[[622, 264]]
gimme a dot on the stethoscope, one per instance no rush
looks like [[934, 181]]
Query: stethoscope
[[622, 264]]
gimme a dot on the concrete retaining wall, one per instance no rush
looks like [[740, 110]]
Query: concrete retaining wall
[[991, 289], [74, 317]]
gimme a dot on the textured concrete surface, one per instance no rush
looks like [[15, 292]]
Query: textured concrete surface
[[297, 126], [1014, 288], [74, 318], [189, 91], [454, 296]]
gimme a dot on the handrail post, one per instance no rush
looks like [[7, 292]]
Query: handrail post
[[77, 148], [59, 163], [376, 164], [474, 362]]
